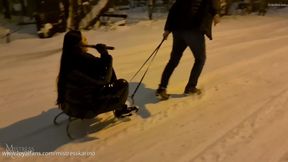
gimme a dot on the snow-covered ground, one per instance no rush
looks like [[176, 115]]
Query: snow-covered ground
[[242, 115]]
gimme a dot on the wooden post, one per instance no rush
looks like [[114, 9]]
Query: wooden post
[[151, 4], [8, 37]]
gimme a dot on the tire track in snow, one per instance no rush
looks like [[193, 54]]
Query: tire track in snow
[[172, 110], [284, 158], [245, 131]]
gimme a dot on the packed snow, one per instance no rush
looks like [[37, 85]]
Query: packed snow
[[241, 116]]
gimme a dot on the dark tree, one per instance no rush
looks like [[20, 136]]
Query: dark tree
[[6, 7], [23, 8]]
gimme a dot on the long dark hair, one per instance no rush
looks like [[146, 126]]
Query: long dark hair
[[71, 49]]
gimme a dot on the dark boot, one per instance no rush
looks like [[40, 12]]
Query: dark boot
[[125, 111], [191, 91], [162, 93]]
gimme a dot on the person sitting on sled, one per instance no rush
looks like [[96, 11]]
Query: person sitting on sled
[[87, 85]]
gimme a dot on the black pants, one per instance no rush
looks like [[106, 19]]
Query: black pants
[[81, 104], [181, 40], [113, 96]]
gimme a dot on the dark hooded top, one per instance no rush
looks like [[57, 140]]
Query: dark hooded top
[[187, 15]]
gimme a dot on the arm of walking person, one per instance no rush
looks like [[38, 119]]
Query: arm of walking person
[[170, 22], [166, 34]]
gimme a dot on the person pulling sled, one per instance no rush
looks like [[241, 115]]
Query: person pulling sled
[[188, 21]]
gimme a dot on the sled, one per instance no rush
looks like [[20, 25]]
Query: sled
[[72, 117]]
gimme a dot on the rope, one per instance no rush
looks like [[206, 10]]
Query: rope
[[153, 55]]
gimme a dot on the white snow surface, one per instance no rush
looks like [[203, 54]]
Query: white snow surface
[[241, 116]]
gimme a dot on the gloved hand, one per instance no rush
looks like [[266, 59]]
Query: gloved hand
[[101, 48], [166, 34], [216, 19]]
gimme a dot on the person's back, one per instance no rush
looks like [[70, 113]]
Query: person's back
[[190, 15]]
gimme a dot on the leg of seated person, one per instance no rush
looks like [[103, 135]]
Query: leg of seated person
[[115, 96], [120, 90]]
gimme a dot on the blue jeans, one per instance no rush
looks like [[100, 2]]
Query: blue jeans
[[181, 40]]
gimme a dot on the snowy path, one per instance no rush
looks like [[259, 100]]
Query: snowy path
[[242, 115], [210, 131]]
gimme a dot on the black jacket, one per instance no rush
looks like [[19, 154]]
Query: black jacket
[[84, 84], [192, 15], [98, 69]]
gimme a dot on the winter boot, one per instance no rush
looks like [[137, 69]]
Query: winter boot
[[125, 111], [162, 94], [191, 91]]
